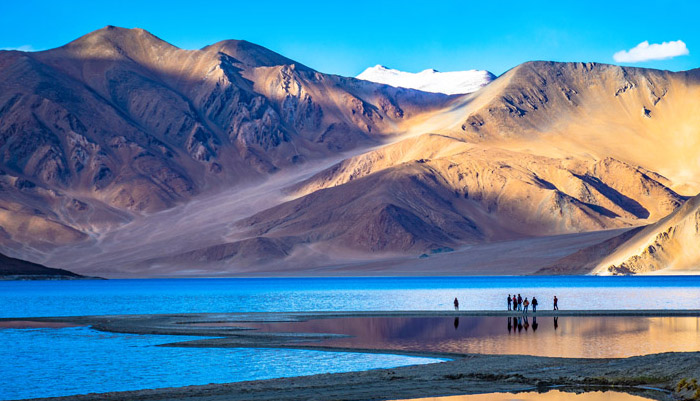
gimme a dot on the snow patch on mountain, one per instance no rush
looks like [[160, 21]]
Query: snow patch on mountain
[[450, 83]]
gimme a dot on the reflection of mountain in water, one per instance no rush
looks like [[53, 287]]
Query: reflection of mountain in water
[[544, 336]]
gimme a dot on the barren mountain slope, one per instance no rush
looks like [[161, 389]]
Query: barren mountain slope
[[120, 123], [642, 117], [123, 155], [529, 165], [669, 246]]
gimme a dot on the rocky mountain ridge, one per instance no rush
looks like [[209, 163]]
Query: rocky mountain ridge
[[128, 156]]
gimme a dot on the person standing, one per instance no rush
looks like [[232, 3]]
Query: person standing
[[456, 304], [556, 303], [509, 301], [515, 302], [534, 305], [520, 302], [526, 303]]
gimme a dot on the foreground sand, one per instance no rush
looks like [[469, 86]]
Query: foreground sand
[[465, 374]]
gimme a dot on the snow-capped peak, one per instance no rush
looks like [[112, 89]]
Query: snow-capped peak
[[430, 80]]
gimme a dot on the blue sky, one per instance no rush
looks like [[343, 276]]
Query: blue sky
[[347, 37]]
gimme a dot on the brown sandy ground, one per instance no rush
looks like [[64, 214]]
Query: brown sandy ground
[[466, 374]]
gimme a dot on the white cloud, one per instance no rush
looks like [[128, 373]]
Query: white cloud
[[25, 48], [655, 51]]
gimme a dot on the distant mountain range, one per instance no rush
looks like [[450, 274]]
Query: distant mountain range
[[450, 83], [124, 156]]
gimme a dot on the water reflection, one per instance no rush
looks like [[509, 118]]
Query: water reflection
[[552, 395], [593, 337]]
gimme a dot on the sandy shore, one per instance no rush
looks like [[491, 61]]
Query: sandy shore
[[464, 374]]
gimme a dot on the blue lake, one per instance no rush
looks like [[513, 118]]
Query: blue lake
[[100, 297], [52, 362], [79, 360]]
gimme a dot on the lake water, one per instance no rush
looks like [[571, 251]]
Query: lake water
[[566, 336], [61, 361], [56, 362], [100, 297]]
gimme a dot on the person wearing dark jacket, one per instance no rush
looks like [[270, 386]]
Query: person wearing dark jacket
[[534, 304]]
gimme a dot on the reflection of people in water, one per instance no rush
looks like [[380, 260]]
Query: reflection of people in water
[[534, 323], [526, 324], [520, 325], [456, 304], [556, 322], [456, 322], [510, 326]]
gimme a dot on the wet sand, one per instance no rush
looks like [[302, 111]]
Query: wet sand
[[464, 374]]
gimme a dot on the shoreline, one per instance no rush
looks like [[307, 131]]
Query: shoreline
[[465, 373]]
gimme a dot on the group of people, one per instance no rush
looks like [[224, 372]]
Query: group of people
[[520, 304]]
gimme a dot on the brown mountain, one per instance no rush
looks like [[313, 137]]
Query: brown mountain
[[119, 123], [669, 246], [129, 156]]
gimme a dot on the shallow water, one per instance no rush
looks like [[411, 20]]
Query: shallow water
[[100, 297], [573, 337], [55, 362], [552, 395]]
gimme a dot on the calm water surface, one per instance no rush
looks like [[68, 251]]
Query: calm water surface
[[572, 337], [79, 360], [97, 297]]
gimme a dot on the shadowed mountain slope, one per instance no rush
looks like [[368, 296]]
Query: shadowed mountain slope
[[669, 246], [119, 123], [11, 268]]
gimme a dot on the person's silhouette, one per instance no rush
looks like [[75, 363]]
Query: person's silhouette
[[510, 326], [534, 323], [556, 322], [456, 322]]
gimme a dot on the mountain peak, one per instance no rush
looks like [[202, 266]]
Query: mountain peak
[[251, 54], [430, 80], [117, 39]]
